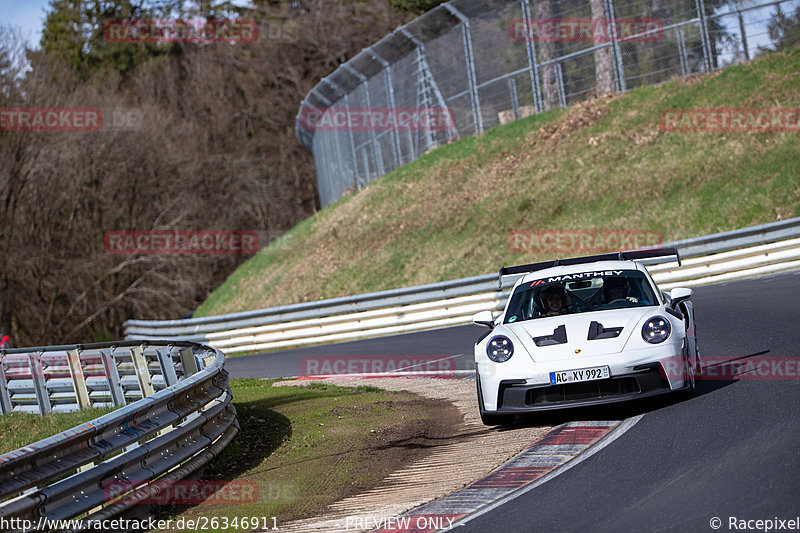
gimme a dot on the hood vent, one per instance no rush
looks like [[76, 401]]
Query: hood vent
[[597, 331], [559, 336]]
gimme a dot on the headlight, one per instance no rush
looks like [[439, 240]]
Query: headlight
[[656, 330], [500, 349]]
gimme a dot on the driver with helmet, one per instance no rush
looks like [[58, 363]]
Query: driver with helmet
[[554, 300], [617, 288]]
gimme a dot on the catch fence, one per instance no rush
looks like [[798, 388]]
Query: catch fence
[[490, 62]]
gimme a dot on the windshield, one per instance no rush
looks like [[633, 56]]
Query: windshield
[[579, 293]]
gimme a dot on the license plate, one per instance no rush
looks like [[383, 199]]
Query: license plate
[[581, 374]]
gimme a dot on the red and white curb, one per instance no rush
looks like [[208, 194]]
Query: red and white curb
[[559, 450]]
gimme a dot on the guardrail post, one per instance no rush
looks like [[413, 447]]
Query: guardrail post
[[142, 372], [112, 375], [167, 366], [78, 379], [39, 383], [5, 398], [189, 362]]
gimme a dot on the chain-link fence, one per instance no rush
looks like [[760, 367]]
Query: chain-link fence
[[490, 62]]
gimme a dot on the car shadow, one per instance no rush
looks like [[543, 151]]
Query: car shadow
[[624, 410]]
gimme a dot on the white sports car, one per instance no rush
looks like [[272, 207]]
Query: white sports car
[[584, 331]]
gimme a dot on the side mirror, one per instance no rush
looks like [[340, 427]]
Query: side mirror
[[484, 318], [678, 295]]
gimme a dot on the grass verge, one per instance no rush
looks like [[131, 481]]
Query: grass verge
[[604, 164], [309, 446], [20, 429]]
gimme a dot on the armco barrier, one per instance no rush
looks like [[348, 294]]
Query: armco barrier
[[186, 422], [720, 257]]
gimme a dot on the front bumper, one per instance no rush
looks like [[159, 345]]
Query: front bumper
[[634, 374], [516, 396]]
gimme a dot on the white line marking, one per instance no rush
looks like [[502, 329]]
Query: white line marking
[[612, 435]]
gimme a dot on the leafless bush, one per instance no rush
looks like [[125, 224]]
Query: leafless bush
[[214, 149]]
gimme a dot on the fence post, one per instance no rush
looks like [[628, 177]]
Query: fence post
[[396, 153], [512, 89], [373, 138], [701, 14], [530, 48], [616, 52], [744, 35], [78, 379], [350, 136], [470, 62], [39, 383], [682, 52], [434, 86], [562, 98]]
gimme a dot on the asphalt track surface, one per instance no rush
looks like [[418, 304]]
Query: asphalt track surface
[[731, 450]]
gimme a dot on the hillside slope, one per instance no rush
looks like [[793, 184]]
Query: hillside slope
[[605, 164]]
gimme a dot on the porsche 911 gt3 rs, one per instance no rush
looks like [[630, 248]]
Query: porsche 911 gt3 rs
[[584, 331]]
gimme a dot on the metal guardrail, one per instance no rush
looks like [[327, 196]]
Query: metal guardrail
[[708, 259], [183, 424]]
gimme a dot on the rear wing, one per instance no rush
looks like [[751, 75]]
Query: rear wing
[[631, 255]]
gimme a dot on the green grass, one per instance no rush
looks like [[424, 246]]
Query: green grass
[[603, 164], [20, 429], [305, 447]]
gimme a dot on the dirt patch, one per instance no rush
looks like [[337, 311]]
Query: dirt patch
[[422, 460], [393, 447]]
